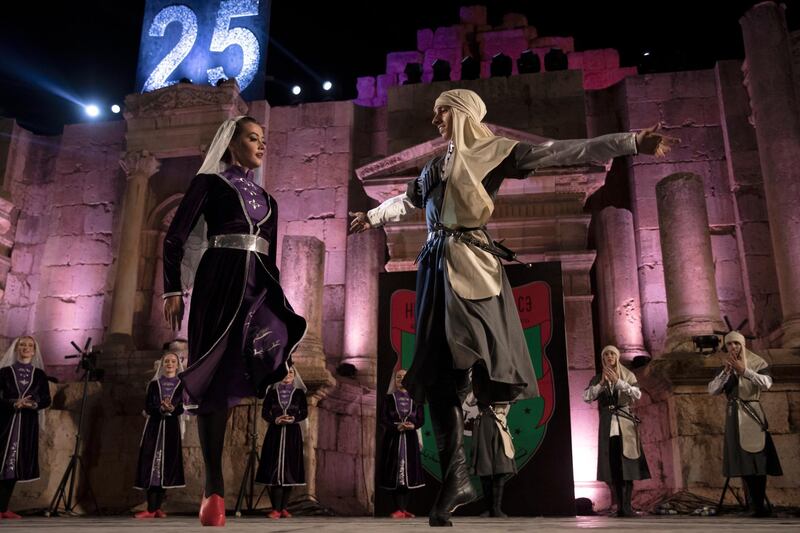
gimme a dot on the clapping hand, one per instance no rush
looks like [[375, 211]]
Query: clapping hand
[[736, 363], [610, 376]]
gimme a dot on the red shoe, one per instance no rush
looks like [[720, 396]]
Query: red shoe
[[160, 514], [212, 511], [409, 515], [274, 514], [141, 515], [398, 514], [11, 515], [286, 514]]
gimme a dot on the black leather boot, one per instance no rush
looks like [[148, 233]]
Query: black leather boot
[[486, 485], [627, 495], [456, 490], [619, 498], [498, 484]]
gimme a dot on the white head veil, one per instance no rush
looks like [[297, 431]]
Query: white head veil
[[159, 372], [298, 384], [392, 389], [197, 243], [619, 368], [735, 336], [392, 386], [474, 274], [10, 357]]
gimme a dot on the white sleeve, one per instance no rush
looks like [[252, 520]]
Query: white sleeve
[[631, 390], [716, 385], [764, 382], [598, 150], [394, 209], [591, 392]]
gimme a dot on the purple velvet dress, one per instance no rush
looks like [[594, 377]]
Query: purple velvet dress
[[400, 464], [19, 429], [161, 449], [242, 330], [282, 452]]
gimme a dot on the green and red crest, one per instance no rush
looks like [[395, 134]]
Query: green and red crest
[[528, 419]]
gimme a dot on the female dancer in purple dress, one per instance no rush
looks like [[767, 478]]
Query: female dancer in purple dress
[[24, 392], [161, 449], [242, 330], [281, 466]]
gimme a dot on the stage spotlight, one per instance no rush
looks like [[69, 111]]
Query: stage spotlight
[[115, 108], [92, 110], [296, 90], [646, 53], [327, 86]]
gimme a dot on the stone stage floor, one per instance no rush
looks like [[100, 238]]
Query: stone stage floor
[[683, 524]]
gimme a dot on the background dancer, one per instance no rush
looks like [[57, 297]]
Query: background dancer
[[282, 461], [748, 451], [620, 457], [492, 447], [161, 448], [24, 393], [401, 466]]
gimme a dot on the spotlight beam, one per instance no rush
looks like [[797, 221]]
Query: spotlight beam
[[296, 59]]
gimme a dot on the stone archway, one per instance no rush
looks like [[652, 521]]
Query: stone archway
[[150, 329]]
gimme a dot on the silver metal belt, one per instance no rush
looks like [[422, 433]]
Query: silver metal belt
[[240, 241]]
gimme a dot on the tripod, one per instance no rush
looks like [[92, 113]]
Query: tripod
[[722, 496], [247, 487], [66, 488]]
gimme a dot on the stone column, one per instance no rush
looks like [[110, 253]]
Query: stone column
[[138, 166], [365, 260], [776, 117], [618, 283], [302, 278], [692, 303]]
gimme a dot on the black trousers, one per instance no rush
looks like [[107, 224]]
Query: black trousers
[[757, 491]]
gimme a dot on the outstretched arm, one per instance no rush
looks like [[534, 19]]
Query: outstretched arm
[[598, 150], [394, 209]]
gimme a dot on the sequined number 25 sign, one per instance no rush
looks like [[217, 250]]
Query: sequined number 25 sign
[[204, 41]]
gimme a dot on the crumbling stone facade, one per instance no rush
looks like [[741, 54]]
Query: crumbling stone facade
[[81, 237]]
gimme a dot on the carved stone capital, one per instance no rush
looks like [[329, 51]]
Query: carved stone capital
[[182, 96], [139, 163]]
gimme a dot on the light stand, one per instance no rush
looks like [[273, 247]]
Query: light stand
[[247, 487], [66, 488]]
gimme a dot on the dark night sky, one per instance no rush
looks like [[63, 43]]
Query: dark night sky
[[89, 48]]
